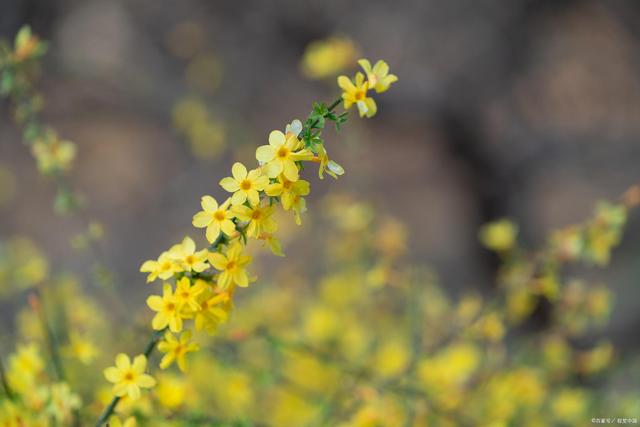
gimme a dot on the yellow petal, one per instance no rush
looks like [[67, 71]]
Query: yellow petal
[[273, 168], [213, 231], [120, 389], [290, 170], [265, 153], [228, 227], [365, 64], [219, 261], [112, 374], [201, 219], [122, 361], [209, 204], [253, 197], [346, 84], [133, 391], [155, 302], [239, 171], [276, 139], [238, 198], [229, 184], [146, 381], [139, 363]]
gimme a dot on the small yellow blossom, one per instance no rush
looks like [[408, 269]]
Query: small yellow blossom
[[327, 57], [281, 155], [259, 219], [499, 235], [164, 267], [54, 155], [327, 165], [62, 402], [212, 311], [378, 76], [244, 185], [129, 377], [168, 310], [186, 295], [188, 258], [81, 348], [114, 421], [216, 218], [172, 390], [231, 266], [357, 94], [176, 350]]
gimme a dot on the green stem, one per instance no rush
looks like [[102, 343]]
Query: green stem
[[5, 383], [108, 411], [52, 342]]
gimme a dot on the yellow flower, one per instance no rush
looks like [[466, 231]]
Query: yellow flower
[[357, 94], [190, 260], [62, 402], [327, 57], [498, 235], [114, 421], [215, 218], [328, 165], [172, 390], [163, 268], [168, 310], [127, 377], [211, 313], [259, 219], [281, 155], [176, 350], [186, 295], [290, 194], [53, 154], [378, 76], [81, 348], [243, 185], [231, 266]]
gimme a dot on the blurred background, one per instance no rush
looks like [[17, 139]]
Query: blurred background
[[521, 109]]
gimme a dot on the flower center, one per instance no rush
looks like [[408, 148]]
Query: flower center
[[245, 184], [189, 259], [360, 95], [283, 152], [256, 214], [128, 376], [170, 306], [231, 265], [219, 216], [287, 185], [185, 294]]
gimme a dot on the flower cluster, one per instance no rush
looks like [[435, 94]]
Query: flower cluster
[[19, 67], [206, 279]]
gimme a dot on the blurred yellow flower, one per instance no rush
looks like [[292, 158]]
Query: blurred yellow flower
[[186, 295], [499, 235], [188, 258], [176, 350], [114, 421], [326, 58], [164, 267], [167, 310]]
